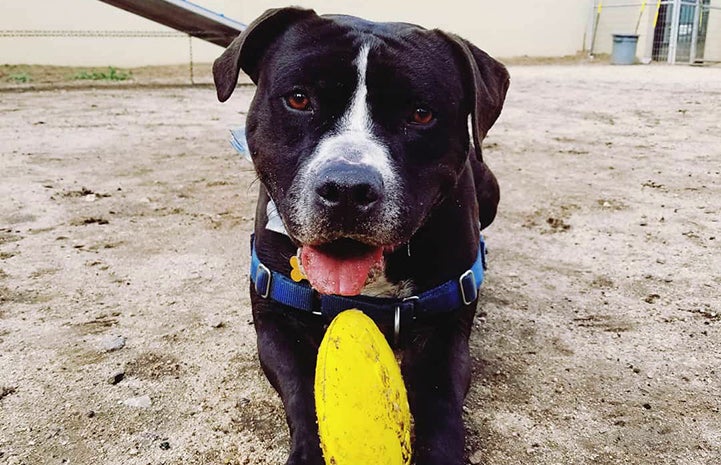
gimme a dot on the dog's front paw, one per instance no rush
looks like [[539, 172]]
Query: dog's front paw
[[305, 456]]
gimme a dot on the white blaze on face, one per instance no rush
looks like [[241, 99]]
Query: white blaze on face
[[357, 119], [352, 141]]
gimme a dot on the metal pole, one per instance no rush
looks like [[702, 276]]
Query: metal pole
[[588, 34], [673, 40], [640, 14], [599, 8], [694, 32]]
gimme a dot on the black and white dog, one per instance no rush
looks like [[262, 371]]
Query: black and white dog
[[373, 197]]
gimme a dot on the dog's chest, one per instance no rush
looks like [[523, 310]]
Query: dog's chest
[[378, 285]]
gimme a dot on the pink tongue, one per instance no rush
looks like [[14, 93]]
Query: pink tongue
[[342, 276]]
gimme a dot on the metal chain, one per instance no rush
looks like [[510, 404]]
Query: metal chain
[[190, 52]]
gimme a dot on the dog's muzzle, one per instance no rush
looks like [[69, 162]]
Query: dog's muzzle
[[346, 192]]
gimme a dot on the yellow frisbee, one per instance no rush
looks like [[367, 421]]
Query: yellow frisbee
[[360, 398]]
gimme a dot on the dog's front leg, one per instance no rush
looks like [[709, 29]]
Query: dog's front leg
[[436, 369], [288, 355]]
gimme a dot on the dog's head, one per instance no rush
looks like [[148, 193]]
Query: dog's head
[[358, 129]]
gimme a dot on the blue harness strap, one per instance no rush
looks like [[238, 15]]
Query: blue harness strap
[[447, 297]]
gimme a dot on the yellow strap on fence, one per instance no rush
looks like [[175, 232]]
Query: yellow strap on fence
[[600, 6], [658, 10], [640, 15]]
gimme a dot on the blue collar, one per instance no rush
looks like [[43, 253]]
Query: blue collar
[[448, 297]]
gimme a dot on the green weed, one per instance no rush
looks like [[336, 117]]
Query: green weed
[[19, 78], [112, 74]]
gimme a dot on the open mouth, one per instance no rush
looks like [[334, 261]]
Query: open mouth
[[340, 267]]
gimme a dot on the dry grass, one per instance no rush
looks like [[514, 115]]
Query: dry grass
[[24, 77]]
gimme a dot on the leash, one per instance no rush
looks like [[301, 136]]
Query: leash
[[446, 298]]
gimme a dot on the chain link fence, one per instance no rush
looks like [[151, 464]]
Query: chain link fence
[[673, 31], [128, 34]]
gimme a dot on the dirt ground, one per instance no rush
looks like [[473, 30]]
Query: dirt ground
[[125, 333]]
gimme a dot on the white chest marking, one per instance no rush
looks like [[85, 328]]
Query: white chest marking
[[379, 286], [274, 222]]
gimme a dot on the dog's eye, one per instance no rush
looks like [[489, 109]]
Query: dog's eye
[[298, 101], [422, 116]]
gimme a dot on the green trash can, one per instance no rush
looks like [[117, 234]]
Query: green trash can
[[624, 49]]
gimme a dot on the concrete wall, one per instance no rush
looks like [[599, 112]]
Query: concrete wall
[[613, 20], [504, 29], [712, 51], [86, 15], [624, 17]]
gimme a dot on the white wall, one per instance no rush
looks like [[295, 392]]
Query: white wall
[[712, 50], [504, 29], [86, 15]]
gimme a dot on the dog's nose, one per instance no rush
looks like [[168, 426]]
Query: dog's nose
[[349, 187]]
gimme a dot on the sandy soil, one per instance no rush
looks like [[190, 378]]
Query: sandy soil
[[125, 333]]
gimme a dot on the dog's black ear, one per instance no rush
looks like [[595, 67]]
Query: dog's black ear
[[489, 81], [246, 50]]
